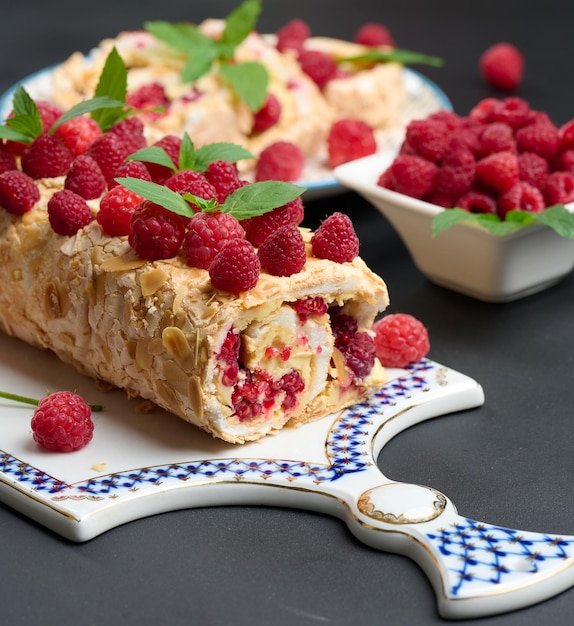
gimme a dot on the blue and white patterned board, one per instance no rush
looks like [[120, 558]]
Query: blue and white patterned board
[[142, 463], [423, 97]]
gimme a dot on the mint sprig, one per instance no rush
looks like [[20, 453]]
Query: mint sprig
[[249, 201], [556, 217], [406, 57], [249, 80]]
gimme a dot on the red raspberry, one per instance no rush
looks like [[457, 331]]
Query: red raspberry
[[558, 188], [149, 96], [293, 35], [466, 137], [281, 160], [348, 140], [116, 209], [258, 228], [236, 268], [498, 171], [130, 169], [496, 137], [131, 132], [308, 307], [18, 192], [521, 196], [502, 66], [78, 134], [532, 168], [62, 422], [482, 111], [155, 233], [319, 66], [49, 113], [46, 157], [513, 111], [171, 144], [374, 34], [542, 139], [7, 160], [268, 115], [283, 252], [429, 138], [229, 356], [335, 239], [208, 234], [400, 339], [344, 329], [109, 153], [386, 179], [223, 175], [456, 176], [566, 132], [413, 175], [360, 354], [195, 183], [85, 178], [564, 161], [477, 202], [68, 212]]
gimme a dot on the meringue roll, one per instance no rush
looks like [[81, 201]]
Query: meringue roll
[[239, 367]]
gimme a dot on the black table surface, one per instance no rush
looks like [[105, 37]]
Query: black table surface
[[508, 462]]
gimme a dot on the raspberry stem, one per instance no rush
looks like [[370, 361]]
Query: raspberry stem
[[34, 402]]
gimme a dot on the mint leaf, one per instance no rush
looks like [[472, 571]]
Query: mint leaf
[[241, 21], [182, 36], [153, 154], [159, 194], [448, 218], [25, 120], [13, 135], [220, 151], [249, 80], [113, 84], [100, 103], [406, 57], [259, 198], [559, 218], [187, 155]]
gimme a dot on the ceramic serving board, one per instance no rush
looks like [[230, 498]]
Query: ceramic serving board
[[142, 463]]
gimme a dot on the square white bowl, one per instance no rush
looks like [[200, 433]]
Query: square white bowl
[[465, 258]]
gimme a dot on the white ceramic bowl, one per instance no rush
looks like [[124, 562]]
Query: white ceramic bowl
[[466, 257]]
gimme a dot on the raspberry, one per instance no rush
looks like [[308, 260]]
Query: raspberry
[[413, 175], [482, 111], [18, 192], [130, 169], [236, 268], [116, 209], [293, 35], [319, 66], [281, 160], [208, 233], [195, 183], [466, 137], [155, 233], [268, 115], [46, 157], [521, 196], [109, 153], [85, 178], [223, 175], [502, 66], [68, 212], [344, 328], [228, 356], [7, 160], [62, 422], [564, 161], [374, 34], [513, 111], [348, 140], [429, 138], [496, 137], [456, 176], [131, 132], [360, 354], [148, 96], [335, 239], [171, 144], [283, 252], [558, 188], [532, 168], [78, 134], [566, 133], [477, 202], [498, 171], [308, 307], [258, 228], [400, 339], [386, 180], [542, 139], [49, 113]]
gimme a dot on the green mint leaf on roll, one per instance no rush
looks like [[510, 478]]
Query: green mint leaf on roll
[[397, 55]]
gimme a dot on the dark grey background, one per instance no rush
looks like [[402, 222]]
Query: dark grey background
[[508, 463]]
